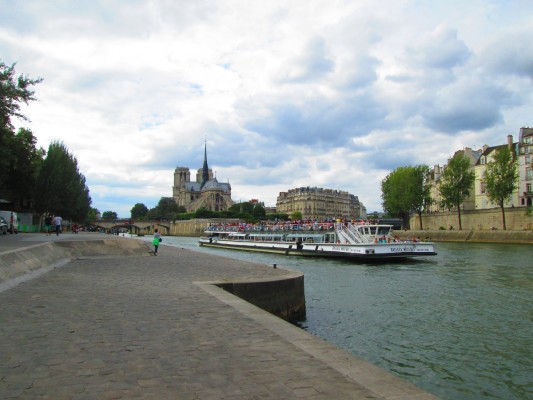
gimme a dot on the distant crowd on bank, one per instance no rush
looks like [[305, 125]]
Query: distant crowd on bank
[[327, 224]]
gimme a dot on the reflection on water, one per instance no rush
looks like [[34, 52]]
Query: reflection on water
[[459, 325]]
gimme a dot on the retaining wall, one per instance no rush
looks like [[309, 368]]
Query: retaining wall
[[469, 236], [19, 265], [516, 219], [283, 296]]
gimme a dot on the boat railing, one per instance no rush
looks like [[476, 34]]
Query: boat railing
[[354, 230], [350, 235]]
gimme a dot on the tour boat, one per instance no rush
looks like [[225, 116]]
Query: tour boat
[[351, 241]]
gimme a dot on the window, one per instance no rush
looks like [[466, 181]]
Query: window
[[528, 187], [529, 175]]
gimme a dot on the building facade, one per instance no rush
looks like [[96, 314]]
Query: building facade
[[482, 200], [525, 168], [435, 176], [318, 203], [478, 199], [206, 192]]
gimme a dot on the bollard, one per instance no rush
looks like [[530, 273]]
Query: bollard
[[275, 266]]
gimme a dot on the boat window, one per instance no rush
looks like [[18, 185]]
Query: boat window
[[373, 230], [383, 230]]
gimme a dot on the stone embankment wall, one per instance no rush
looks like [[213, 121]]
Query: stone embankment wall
[[282, 296], [194, 227], [516, 219], [469, 236]]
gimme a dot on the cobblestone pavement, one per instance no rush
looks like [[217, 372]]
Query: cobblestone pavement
[[140, 328]]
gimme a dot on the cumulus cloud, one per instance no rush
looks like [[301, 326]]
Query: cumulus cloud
[[285, 94]]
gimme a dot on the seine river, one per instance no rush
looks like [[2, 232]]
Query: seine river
[[459, 325]]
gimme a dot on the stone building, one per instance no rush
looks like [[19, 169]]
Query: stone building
[[435, 180], [207, 192], [525, 168], [318, 203], [482, 199]]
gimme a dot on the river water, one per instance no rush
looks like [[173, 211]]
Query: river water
[[459, 325]]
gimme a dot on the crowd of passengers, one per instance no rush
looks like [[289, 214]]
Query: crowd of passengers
[[276, 226]]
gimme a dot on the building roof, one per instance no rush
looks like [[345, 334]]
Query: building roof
[[214, 184]]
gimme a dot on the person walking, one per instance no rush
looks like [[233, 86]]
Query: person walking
[[157, 239], [57, 223], [48, 224]]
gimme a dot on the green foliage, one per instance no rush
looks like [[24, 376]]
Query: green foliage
[[406, 190], [457, 181], [139, 210], [166, 209], [296, 215], [13, 91], [501, 178], [61, 187], [109, 215], [92, 215], [21, 166], [277, 216], [184, 216], [18, 155], [204, 213]]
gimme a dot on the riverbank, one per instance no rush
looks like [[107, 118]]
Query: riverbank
[[474, 236], [138, 326]]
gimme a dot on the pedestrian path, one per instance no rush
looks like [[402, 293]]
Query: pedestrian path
[[148, 328]]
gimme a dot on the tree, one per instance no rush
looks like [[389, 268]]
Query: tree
[[165, 209], [501, 178], [61, 187], [296, 215], [22, 166], [139, 210], [406, 190], [248, 209], [13, 91], [109, 215], [93, 214], [421, 190], [457, 181]]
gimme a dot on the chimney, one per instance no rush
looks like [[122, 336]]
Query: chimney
[[510, 142]]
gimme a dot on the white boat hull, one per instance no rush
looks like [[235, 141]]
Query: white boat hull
[[370, 251]]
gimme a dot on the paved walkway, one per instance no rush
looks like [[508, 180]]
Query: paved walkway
[[144, 328]]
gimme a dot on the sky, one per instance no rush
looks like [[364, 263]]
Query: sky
[[284, 93]]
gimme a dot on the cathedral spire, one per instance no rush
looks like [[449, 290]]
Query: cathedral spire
[[205, 168]]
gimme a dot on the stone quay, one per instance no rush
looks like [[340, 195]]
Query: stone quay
[[87, 317]]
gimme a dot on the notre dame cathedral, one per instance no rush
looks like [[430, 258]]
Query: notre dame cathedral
[[206, 192]]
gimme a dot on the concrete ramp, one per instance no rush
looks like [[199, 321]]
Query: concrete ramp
[[25, 263]]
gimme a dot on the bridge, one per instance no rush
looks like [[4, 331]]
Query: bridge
[[132, 226]]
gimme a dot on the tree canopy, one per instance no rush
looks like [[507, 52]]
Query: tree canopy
[[457, 181], [501, 178], [13, 91], [61, 187], [18, 154], [405, 190], [165, 209], [139, 210], [109, 215]]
